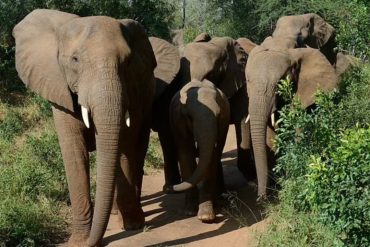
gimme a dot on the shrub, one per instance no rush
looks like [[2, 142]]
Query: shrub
[[338, 188], [323, 157], [33, 190]]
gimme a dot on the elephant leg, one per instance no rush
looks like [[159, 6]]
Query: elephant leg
[[220, 183], [245, 161], [171, 168], [128, 201], [71, 133], [141, 152], [186, 153], [207, 190]]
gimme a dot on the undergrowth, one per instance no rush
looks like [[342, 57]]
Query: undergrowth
[[324, 168]]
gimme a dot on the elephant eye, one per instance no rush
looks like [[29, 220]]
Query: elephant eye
[[75, 59]]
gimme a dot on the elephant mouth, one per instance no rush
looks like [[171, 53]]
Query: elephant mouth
[[273, 122], [86, 117]]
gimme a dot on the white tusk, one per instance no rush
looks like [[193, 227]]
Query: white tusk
[[127, 119], [273, 120], [85, 116], [247, 120]]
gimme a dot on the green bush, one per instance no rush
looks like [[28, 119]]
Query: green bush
[[323, 157], [338, 188], [154, 158], [33, 190]]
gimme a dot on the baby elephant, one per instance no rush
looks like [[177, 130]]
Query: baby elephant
[[199, 117]]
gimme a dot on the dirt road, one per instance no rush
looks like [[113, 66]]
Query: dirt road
[[167, 226]]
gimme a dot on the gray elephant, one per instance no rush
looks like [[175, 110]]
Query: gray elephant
[[221, 61], [275, 59], [199, 117], [308, 30], [96, 70]]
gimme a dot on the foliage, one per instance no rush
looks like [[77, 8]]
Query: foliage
[[346, 171], [154, 158], [324, 161], [291, 228], [257, 19], [33, 189]]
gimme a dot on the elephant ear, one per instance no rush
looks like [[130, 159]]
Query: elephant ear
[[203, 37], [246, 44], [37, 55], [234, 78], [321, 31], [142, 55], [168, 63], [315, 73]]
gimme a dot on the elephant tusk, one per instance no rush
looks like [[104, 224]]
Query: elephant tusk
[[183, 186], [248, 118], [127, 119], [85, 116], [273, 120]]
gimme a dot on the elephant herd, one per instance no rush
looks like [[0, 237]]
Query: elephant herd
[[109, 85]]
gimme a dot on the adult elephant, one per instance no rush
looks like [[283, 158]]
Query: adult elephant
[[222, 61], [268, 63], [96, 70], [308, 30]]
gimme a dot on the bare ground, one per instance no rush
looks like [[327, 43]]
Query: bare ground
[[166, 224]]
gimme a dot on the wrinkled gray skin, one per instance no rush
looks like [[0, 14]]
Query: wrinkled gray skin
[[106, 66], [200, 114], [275, 59], [221, 61]]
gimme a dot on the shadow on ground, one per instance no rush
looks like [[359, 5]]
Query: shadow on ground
[[164, 212]]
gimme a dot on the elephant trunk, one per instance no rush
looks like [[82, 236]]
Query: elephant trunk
[[107, 113], [207, 143], [259, 110]]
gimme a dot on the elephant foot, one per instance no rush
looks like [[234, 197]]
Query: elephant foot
[[206, 213], [133, 220]]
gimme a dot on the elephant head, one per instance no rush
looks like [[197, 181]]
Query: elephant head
[[220, 60], [107, 64], [308, 29], [267, 64]]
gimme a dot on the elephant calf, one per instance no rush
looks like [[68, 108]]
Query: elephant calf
[[199, 118]]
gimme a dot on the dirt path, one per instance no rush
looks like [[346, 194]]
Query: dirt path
[[167, 226]]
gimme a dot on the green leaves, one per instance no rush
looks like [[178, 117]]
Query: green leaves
[[324, 156]]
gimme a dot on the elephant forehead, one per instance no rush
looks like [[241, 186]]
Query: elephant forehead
[[203, 57], [267, 66], [92, 26], [289, 25]]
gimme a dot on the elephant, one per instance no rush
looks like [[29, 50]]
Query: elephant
[[97, 72], [222, 61], [268, 63], [199, 118], [308, 30]]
